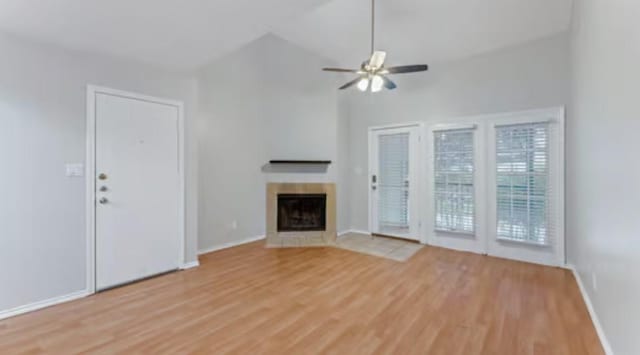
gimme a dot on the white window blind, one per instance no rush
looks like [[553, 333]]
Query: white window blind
[[523, 183], [454, 182], [393, 183]]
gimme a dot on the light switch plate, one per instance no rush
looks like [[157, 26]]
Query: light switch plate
[[75, 170]]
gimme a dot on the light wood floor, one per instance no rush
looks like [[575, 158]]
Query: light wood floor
[[252, 300]]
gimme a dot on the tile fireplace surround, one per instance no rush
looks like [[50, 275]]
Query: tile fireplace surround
[[277, 239]]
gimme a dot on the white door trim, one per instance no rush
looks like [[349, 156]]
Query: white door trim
[[90, 208], [397, 125]]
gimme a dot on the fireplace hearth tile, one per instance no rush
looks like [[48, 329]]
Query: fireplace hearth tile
[[293, 239]]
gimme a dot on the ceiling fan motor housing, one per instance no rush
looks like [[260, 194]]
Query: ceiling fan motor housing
[[372, 71]]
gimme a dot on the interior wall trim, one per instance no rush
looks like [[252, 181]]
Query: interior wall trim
[[12, 312], [592, 312], [356, 231], [190, 265], [230, 244]]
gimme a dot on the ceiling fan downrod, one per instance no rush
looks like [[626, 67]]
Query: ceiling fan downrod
[[373, 25], [372, 74]]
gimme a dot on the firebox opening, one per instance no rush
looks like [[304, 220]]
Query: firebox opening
[[302, 212]]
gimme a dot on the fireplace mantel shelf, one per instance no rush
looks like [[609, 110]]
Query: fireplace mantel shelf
[[319, 162]]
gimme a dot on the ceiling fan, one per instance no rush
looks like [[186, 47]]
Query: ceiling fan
[[372, 72]]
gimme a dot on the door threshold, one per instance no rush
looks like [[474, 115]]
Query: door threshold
[[395, 237]]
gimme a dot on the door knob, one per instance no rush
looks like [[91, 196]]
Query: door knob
[[102, 176], [103, 201], [103, 188]]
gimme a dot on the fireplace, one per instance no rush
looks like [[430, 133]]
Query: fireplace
[[302, 212], [301, 215]]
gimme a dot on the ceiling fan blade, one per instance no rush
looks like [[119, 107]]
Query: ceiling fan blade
[[406, 69], [377, 59], [350, 84], [390, 85], [340, 70]]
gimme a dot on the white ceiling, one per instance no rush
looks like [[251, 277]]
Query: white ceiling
[[425, 31], [181, 34], [184, 35]]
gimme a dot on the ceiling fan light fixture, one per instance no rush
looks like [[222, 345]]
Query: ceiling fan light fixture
[[372, 74], [377, 83], [363, 84]]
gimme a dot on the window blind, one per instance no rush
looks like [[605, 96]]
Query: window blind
[[393, 183], [522, 178], [454, 182]]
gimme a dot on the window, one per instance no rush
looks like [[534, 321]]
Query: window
[[496, 185], [522, 182], [454, 180]]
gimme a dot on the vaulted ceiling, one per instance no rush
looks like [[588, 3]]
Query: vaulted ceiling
[[415, 31], [184, 35]]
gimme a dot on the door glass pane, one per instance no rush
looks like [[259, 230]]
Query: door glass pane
[[522, 182], [393, 183], [454, 190]]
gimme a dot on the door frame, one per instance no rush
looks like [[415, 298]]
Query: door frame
[[485, 173], [420, 188], [90, 209], [523, 251], [473, 242]]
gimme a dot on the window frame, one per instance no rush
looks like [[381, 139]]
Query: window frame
[[453, 128], [548, 183], [553, 252], [468, 242]]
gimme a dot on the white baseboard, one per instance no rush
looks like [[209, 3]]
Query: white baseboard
[[340, 234], [594, 317], [43, 304], [434, 242], [230, 245], [190, 265]]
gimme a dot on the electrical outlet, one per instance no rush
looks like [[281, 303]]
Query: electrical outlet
[[594, 281]]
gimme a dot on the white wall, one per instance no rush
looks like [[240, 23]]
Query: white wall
[[42, 127], [603, 169], [529, 76], [268, 100]]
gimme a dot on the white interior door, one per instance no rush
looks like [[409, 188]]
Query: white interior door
[[137, 171], [394, 189]]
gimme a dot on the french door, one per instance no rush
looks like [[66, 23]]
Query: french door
[[526, 184], [495, 186], [394, 164], [456, 188]]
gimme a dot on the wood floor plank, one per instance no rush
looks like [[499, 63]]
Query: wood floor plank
[[253, 300]]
